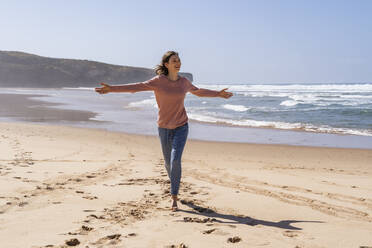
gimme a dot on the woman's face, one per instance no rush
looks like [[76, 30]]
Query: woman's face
[[174, 63]]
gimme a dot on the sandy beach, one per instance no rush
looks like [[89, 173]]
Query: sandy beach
[[64, 187]]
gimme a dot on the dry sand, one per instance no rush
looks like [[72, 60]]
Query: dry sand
[[60, 186]]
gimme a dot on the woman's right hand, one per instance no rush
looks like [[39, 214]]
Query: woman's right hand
[[104, 89]]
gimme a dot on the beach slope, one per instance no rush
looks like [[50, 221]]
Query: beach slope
[[64, 186]]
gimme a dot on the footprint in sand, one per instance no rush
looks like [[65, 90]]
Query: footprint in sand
[[114, 236], [209, 231], [97, 217], [90, 197], [21, 204], [290, 234], [109, 240], [130, 235], [82, 231], [182, 245], [72, 242], [235, 239], [199, 220], [86, 228]]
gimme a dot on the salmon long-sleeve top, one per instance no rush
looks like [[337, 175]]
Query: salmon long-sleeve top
[[169, 96]]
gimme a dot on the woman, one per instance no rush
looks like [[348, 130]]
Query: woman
[[170, 90]]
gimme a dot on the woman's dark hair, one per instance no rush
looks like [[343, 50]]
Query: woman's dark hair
[[160, 69]]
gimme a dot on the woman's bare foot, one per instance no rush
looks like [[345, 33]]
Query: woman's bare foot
[[174, 204]]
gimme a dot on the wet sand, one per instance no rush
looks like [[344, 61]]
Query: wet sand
[[24, 108], [63, 186]]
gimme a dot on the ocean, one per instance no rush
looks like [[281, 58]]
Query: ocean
[[295, 114], [326, 108]]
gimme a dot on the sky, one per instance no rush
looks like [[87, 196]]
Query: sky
[[230, 41]]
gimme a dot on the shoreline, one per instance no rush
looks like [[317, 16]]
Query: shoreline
[[301, 126], [48, 112], [193, 140], [58, 124]]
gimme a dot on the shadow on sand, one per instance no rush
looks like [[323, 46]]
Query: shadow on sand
[[236, 219]]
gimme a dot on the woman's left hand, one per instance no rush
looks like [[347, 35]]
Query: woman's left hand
[[225, 94]]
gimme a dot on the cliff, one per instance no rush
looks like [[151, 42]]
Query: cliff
[[18, 69]]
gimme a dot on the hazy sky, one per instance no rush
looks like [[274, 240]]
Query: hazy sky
[[247, 41]]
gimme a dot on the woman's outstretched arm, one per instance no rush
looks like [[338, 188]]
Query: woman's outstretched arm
[[132, 88], [209, 93]]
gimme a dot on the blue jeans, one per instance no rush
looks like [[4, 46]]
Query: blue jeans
[[172, 143]]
